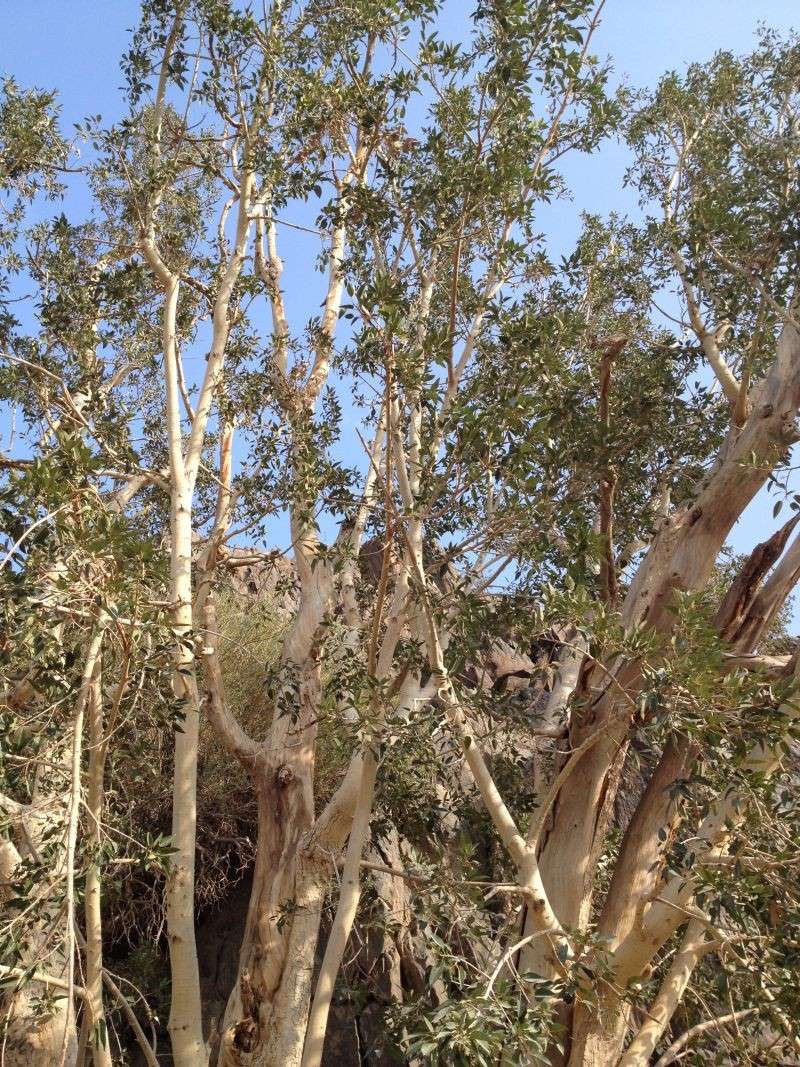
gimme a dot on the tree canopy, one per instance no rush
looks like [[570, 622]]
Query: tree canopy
[[400, 594]]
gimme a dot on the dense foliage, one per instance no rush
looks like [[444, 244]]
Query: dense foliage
[[357, 548]]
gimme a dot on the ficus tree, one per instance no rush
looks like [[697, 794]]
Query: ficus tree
[[525, 728]]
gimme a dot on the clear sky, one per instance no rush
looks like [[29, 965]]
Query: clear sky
[[75, 45]]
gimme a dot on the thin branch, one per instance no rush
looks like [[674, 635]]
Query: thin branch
[[671, 1055]]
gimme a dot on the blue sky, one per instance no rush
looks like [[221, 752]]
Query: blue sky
[[75, 45]]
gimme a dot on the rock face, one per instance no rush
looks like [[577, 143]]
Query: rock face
[[262, 576]]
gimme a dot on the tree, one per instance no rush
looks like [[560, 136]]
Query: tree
[[555, 744]]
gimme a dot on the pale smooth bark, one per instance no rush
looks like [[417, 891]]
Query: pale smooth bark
[[84, 699], [101, 1051], [682, 556], [599, 1031], [663, 913], [185, 1025], [691, 951], [349, 896], [185, 1021]]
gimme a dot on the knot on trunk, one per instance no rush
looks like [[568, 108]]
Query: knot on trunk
[[285, 776], [789, 431], [245, 1034]]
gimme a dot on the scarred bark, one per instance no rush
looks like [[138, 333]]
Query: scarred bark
[[261, 1019]]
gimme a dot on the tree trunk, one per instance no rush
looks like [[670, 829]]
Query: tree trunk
[[32, 1038], [101, 1051], [185, 1019], [681, 558], [264, 1021], [38, 1040]]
